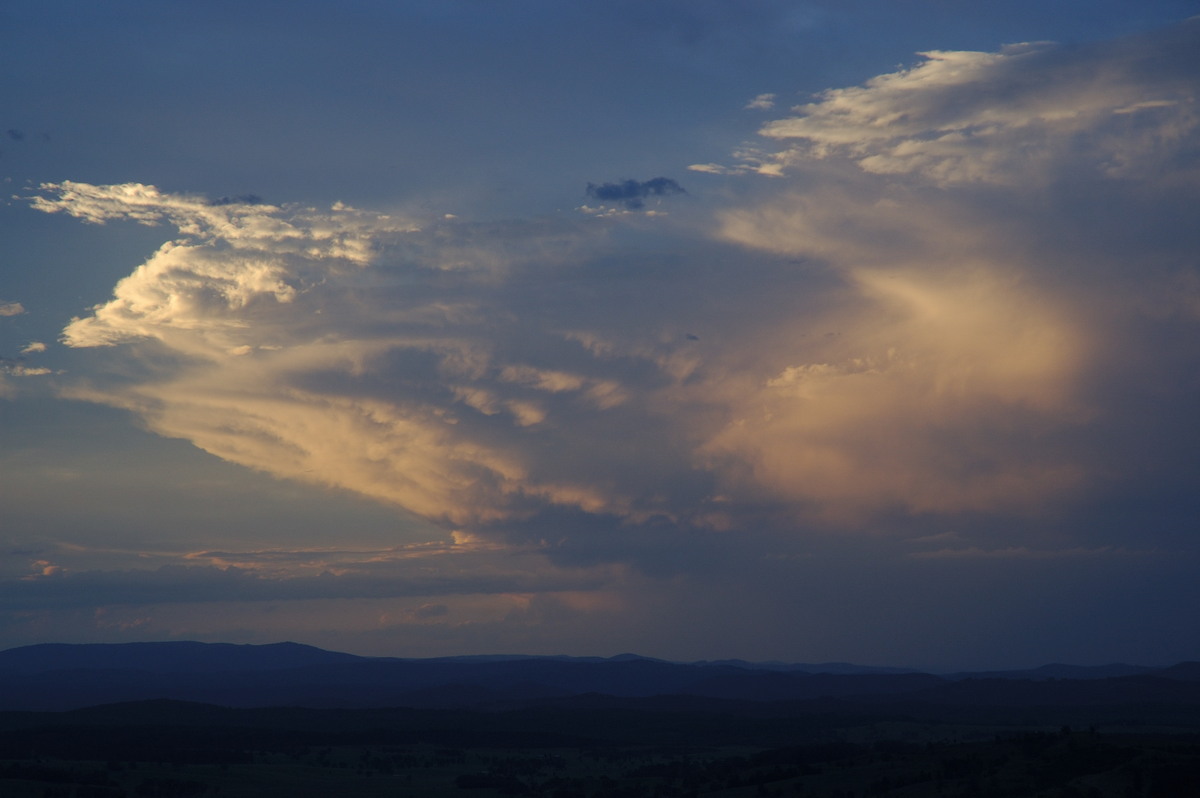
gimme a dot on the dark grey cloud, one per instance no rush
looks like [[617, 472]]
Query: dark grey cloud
[[239, 199], [633, 193]]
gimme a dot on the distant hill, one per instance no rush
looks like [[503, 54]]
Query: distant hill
[[1185, 671], [57, 677], [844, 668], [168, 657], [1059, 671]]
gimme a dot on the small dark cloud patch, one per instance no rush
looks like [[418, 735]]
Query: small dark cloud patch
[[240, 199], [14, 134], [633, 193]]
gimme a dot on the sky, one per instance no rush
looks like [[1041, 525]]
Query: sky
[[776, 330]]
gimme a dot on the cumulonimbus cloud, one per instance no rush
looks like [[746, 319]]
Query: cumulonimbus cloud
[[891, 326], [938, 192]]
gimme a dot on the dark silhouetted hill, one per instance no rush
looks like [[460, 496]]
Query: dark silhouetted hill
[[1059, 671], [63, 677], [1184, 671], [167, 657]]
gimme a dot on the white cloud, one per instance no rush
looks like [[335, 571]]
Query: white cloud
[[11, 308], [1014, 117], [33, 347], [711, 168], [762, 102]]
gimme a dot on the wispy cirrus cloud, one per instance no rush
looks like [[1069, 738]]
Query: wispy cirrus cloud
[[68, 576], [288, 563]]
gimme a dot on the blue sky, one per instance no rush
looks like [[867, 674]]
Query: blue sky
[[873, 339]]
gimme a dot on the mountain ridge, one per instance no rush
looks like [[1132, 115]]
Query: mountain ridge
[[287, 654], [61, 677]]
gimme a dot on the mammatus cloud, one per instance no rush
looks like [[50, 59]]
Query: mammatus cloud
[[904, 323]]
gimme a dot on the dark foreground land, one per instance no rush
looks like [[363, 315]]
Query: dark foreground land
[[190, 719], [599, 747]]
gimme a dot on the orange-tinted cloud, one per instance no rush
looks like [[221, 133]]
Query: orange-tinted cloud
[[893, 324]]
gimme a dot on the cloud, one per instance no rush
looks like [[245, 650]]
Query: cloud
[[943, 306], [933, 380], [347, 348], [17, 368], [240, 199], [33, 347], [65, 578], [1024, 553], [11, 309], [426, 611], [967, 357], [762, 102], [290, 563], [1015, 117], [633, 193]]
